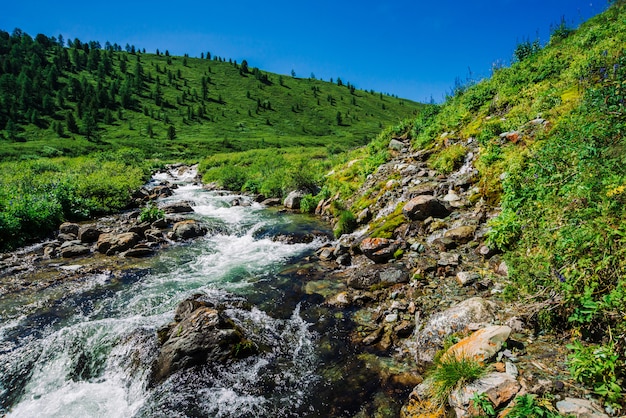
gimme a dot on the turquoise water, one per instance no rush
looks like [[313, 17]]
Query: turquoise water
[[88, 350]]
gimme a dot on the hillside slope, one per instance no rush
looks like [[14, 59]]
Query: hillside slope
[[57, 100], [545, 137]]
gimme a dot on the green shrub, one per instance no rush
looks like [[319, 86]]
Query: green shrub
[[345, 224], [151, 213], [527, 406], [505, 228], [309, 203], [599, 367], [448, 159]]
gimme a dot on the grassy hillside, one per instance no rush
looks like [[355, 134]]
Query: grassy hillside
[[169, 107], [551, 129], [81, 126]]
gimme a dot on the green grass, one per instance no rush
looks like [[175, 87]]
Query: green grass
[[561, 185], [451, 373], [240, 111]]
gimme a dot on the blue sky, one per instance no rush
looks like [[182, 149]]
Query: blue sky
[[413, 49]]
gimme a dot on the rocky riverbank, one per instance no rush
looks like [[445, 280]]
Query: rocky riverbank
[[419, 275], [414, 278]]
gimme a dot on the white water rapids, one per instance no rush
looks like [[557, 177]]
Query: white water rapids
[[88, 353]]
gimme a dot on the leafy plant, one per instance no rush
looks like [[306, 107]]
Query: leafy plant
[[151, 213], [482, 403], [309, 203], [527, 406], [599, 367], [505, 228]]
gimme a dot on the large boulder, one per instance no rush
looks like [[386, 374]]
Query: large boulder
[[71, 249], [424, 206], [498, 387], [110, 244], [379, 250], [431, 334], [89, 234], [383, 275], [461, 234], [200, 334], [293, 199], [188, 229], [481, 345], [69, 228], [178, 207]]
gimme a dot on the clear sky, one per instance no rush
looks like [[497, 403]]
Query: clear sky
[[414, 49]]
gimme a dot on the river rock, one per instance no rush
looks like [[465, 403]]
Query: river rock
[[116, 243], [449, 259], [203, 334], [71, 249], [69, 228], [379, 250], [89, 234], [365, 277], [579, 408], [271, 202], [431, 334], [481, 345], [188, 229], [424, 206], [139, 251], [178, 207], [499, 388], [293, 199], [462, 234]]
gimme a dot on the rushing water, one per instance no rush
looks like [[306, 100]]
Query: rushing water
[[88, 350]]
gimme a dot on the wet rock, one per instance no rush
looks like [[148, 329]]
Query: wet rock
[[69, 228], [188, 229], [293, 199], [294, 238], [89, 234], [340, 300], [271, 202], [462, 234], [201, 334], [384, 275], [374, 337], [140, 228], [431, 334], [499, 388], [481, 345], [424, 206], [71, 249], [153, 235], [579, 408], [465, 278], [66, 237], [159, 224], [379, 250], [116, 243], [139, 251], [178, 207]]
